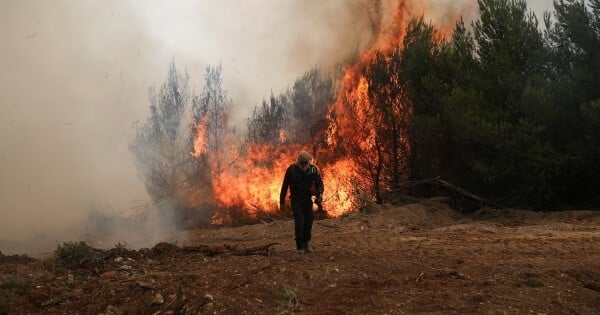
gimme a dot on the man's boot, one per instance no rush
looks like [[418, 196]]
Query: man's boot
[[307, 247], [300, 247]]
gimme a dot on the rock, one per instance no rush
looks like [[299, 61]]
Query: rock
[[125, 267], [109, 275], [158, 299], [119, 259], [208, 298]]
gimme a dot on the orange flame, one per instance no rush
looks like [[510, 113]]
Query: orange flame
[[199, 139]]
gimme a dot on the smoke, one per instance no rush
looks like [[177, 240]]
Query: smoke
[[75, 76]]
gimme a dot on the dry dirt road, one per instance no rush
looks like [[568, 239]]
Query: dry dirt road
[[418, 258]]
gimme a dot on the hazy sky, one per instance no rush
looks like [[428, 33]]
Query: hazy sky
[[74, 76]]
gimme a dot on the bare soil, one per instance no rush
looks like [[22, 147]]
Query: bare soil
[[418, 258]]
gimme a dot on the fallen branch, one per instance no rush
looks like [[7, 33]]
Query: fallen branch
[[264, 250], [440, 182], [205, 249], [460, 191]]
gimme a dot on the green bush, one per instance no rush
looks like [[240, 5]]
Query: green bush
[[76, 254]]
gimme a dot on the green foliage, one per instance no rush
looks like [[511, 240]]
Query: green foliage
[[423, 79], [76, 254], [590, 151], [573, 40], [500, 132], [505, 111]]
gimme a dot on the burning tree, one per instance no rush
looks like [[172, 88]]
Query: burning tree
[[211, 113], [162, 149], [386, 92]]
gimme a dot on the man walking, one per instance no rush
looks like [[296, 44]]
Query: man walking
[[301, 177]]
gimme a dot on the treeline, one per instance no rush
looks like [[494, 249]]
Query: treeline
[[299, 112], [504, 108]]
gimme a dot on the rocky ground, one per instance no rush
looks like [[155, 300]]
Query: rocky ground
[[418, 258]]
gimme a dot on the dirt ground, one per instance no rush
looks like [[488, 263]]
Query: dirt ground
[[418, 258]]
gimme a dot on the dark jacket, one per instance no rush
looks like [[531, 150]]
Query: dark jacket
[[300, 183]]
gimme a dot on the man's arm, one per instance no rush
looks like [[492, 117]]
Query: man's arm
[[319, 185], [284, 187]]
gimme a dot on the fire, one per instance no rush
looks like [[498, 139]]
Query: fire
[[340, 193], [250, 185], [255, 182], [200, 139]]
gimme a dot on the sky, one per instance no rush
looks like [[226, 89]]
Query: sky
[[75, 74]]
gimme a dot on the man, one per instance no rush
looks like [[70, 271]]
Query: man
[[300, 178]]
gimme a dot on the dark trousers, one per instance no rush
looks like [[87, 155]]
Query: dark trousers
[[303, 221]]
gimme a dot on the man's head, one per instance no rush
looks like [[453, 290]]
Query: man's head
[[303, 160]]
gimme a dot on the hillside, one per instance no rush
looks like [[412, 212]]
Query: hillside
[[418, 258]]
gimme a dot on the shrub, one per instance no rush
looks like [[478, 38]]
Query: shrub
[[76, 254]]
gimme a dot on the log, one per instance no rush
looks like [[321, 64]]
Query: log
[[451, 187], [205, 249], [264, 250]]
